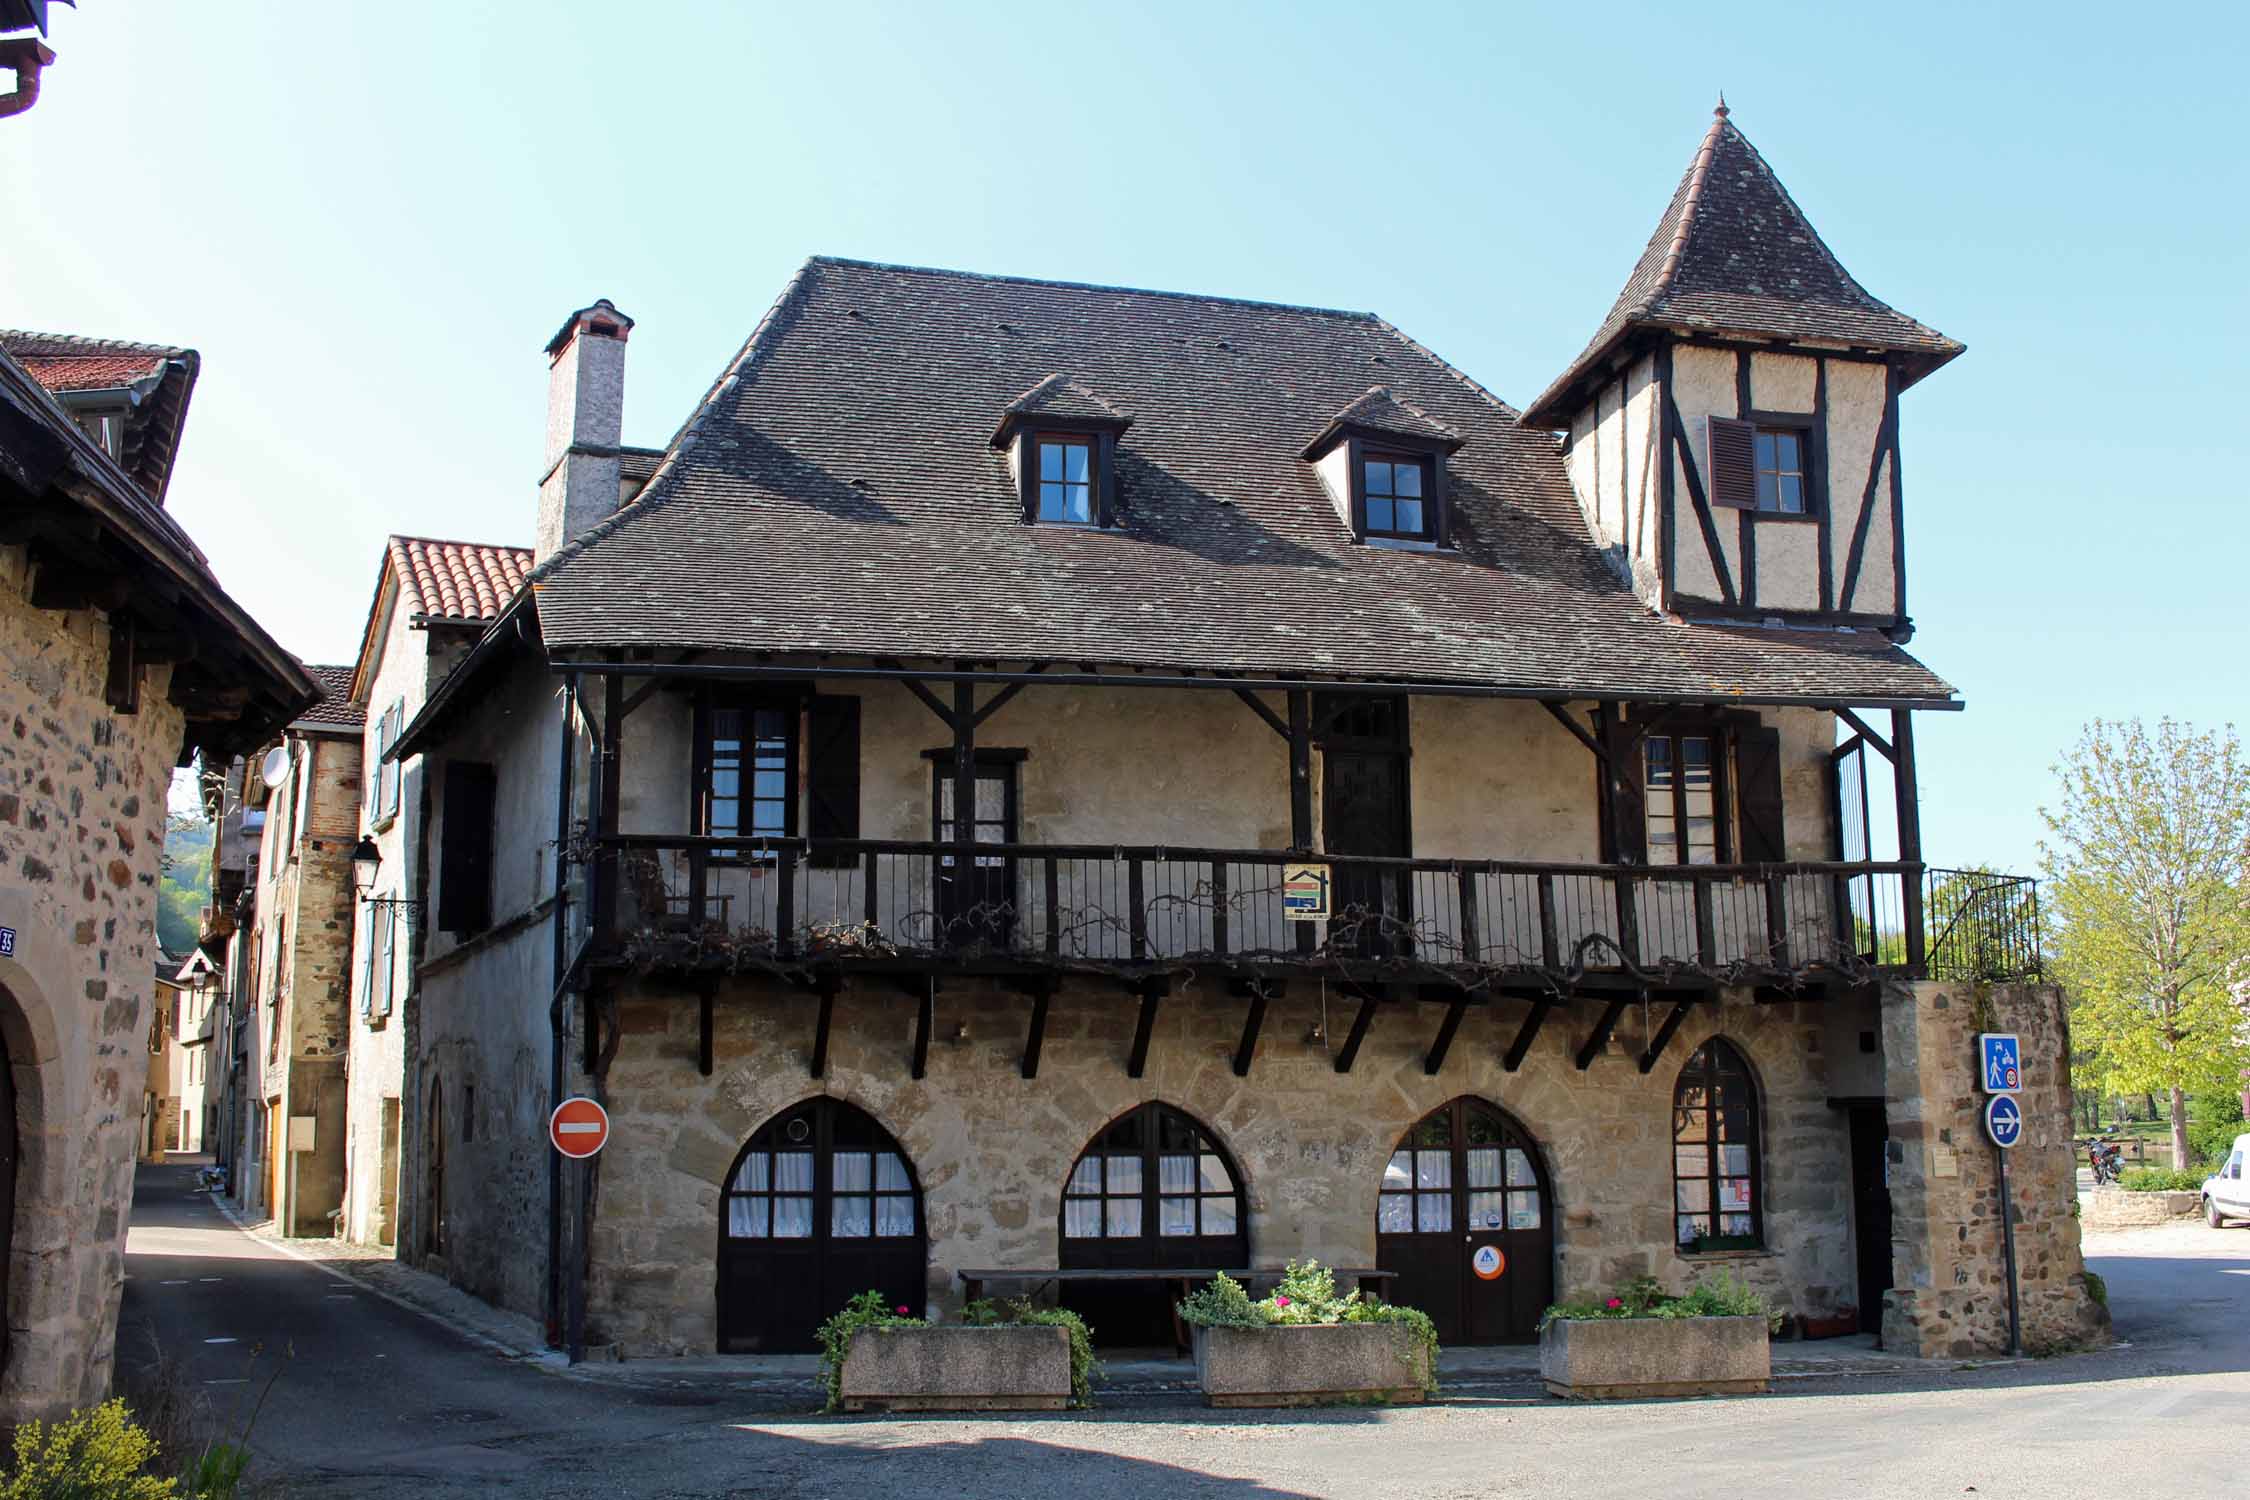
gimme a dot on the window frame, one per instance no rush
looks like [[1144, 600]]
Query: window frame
[[1064, 441], [1363, 454], [1147, 1121], [1704, 1068], [1768, 425], [749, 702], [1100, 441], [1725, 841]]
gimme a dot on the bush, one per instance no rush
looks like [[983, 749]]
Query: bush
[[2161, 1180], [2213, 1123], [1307, 1297], [867, 1310], [1718, 1295], [1084, 1370], [2097, 1288], [88, 1455]]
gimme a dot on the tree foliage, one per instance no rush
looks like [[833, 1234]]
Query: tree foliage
[[186, 887], [2148, 869]]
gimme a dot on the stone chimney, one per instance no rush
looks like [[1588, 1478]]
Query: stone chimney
[[585, 418]]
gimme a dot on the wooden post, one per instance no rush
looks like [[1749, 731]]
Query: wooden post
[[1909, 834], [1300, 790]]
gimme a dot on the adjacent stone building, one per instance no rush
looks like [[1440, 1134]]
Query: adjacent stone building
[[124, 656], [1049, 779]]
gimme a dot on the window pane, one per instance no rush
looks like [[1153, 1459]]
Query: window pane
[[1658, 750], [792, 1218], [1409, 517], [1484, 1166], [1394, 1213], [1175, 1174], [1379, 515], [767, 784], [1050, 461], [1486, 1210], [1074, 463], [1122, 1221], [1520, 1172], [1175, 1217], [1406, 479], [1078, 505], [1523, 1210], [1399, 1172], [752, 1175], [1785, 452], [746, 1218], [793, 1172], [1124, 1175], [1378, 478], [894, 1216], [1765, 450], [852, 1171], [1692, 1195], [1218, 1215], [851, 1218], [1767, 499], [1734, 1161], [1082, 1218], [1662, 835], [1690, 1161], [1792, 495], [1214, 1178], [725, 781], [1693, 1226], [1433, 1169], [1433, 1211], [1734, 1192], [1736, 1224], [890, 1174]]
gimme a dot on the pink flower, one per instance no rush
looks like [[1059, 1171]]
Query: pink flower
[[902, 1312], [1613, 1302], [1280, 1301]]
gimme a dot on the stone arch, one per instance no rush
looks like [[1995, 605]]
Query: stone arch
[[33, 1222], [1733, 1149]]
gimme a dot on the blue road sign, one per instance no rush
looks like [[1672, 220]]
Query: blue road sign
[[2002, 1068], [7, 942], [2003, 1120]]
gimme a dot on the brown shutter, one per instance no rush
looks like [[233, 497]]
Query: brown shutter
[[1027, 473], [1734, 463], [1628, 799], [832, 775], [465, 849], [1757, 771], [1105, 479]]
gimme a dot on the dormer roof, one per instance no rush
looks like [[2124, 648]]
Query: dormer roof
[[154, 383], [1061, 399], [1735, 255], [1379, 412]]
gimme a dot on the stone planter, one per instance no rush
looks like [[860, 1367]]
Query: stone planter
[[956, 1368], [1312, 1365], [1608, 1359], [2114, 1208]]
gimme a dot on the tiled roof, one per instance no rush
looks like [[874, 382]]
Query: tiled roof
[[1061, 399], [66, 363], [336, 705], [638, 463], [1734, 254], [1380, 411], [836, 493], [458, 580]]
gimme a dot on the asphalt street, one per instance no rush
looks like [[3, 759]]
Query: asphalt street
[[373, 1398]]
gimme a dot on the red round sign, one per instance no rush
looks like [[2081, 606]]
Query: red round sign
[[578, 1127]]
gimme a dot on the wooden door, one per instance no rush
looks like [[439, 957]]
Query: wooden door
[[1152, 1191], [976, 902], [1364, 803], [1466, 1218], [820, 1206], [1871, 1211]]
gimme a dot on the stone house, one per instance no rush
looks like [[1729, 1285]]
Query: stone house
[[1054, 779], [125, 657], [176, 1109]]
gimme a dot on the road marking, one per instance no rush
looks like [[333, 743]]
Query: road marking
[[210, 1278], [218, 1341], [183, 1281]]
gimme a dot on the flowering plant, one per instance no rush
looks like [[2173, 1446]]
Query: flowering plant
[[1306, 1297], [1717, 1296]]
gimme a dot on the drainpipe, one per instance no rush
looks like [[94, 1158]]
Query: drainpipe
[[27, 55], [558, 1031]]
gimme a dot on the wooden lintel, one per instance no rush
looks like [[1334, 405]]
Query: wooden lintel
[[1358, 1033], [1562, 717], [1152, 995], [925, 1017], [1664, 1035], [1603, 1030], [820, 1035], [1274, 721], [1432, 1064], [1036, 1036], [1859, 726], [1527, 1033], [1252, 1024]]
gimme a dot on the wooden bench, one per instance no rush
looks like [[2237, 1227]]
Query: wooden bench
[[1179, 1278]]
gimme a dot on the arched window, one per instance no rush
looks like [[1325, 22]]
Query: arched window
[[1717, 1195], [1465, 1217], [1153, 1191]]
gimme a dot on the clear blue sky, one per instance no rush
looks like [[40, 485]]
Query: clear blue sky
[[370, 227]]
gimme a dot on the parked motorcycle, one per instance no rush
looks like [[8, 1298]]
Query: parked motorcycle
[[213, 1179], [2106, 1157]]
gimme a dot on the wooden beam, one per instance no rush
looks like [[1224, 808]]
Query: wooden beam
[[1036, 1037], [1603, 1030], [1273, 720], [1446, 1028], [1000, 699], [1664, 1034], [1882, 746], [1358, 1034], [1152, 995], [925, 1017], [1562, 717], [1252, 1024], [820, 1033], [930, 700], [1527, 1033], [641, 694]]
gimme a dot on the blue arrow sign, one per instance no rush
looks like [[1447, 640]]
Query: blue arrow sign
[[2003, 1120], [2002, 1062]]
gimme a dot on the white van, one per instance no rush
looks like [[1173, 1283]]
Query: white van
[[2226, 1192]]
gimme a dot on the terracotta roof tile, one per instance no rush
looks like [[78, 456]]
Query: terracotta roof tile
[[458, 580]]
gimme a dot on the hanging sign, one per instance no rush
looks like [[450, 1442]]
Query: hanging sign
[[2003, 1120], [578, 1127], [7, 942], [2002, 1059], [1304, 893], [1488, 1262]]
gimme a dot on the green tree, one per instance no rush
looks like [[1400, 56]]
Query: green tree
[[2148, 869], [186, 886]]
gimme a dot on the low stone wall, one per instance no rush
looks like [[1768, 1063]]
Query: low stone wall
[[2115, 1208], [1312, 1365], [958, 1369], [1634, 1358]]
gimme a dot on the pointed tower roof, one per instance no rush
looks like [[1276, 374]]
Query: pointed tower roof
[[1735, 254]]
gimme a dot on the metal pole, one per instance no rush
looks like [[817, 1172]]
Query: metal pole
[[2008, 1254]]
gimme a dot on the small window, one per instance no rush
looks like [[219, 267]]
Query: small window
[[1683, 799], [1781, 470], [750, 771], [1716, 1192], [1066, 480], [1398, 496]]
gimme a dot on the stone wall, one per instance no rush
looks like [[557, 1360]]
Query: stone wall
[[82, 804], [2114, 1208], [1950, 1298], [992, 1150]]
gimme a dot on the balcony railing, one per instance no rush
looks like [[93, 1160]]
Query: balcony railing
[[684, 900]]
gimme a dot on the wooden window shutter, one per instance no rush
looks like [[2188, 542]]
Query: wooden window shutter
[[465, 849], [1734, 463], [1757, 772], [832, 775], [1105, 480], [1628, 800]]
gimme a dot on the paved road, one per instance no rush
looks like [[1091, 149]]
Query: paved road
[[378, 1400]]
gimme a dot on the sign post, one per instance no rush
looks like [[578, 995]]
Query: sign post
[[2000, 1070]]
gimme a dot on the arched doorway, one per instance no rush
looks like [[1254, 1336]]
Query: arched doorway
[[820, 1206], [1154, 1190], [1466, 1180]]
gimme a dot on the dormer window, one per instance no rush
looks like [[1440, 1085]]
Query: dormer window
[[1761, 466], [1066, 479], [1399, 496], [1781, 470]]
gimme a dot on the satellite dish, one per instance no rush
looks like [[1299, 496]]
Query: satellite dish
[[274, 769]]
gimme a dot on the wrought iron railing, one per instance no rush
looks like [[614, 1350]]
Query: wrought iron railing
[[1982, 926], [683, 899]]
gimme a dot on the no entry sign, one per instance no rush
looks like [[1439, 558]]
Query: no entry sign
[[578, 1127]]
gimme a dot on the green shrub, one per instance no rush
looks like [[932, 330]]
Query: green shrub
[[2161, 1180], [1084, 1370], [2097, 1288], [2213, 1123], [89, 1455], [1306, 1297], [1720, 1294], [867, 1310]]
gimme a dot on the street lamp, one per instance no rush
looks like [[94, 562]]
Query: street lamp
[[366, 861]]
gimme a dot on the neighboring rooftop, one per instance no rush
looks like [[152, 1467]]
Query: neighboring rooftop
[[153, 382], [836, 493], [1734, 254], [336, 708], [465, 581]]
